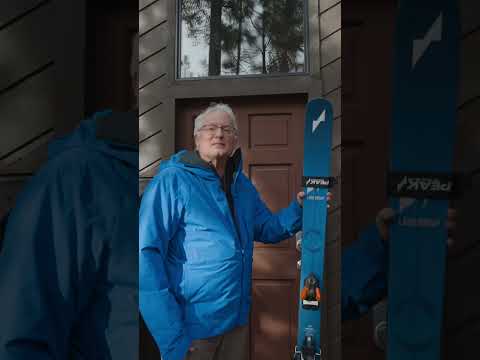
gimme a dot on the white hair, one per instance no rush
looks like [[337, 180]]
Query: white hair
[[200, 119]]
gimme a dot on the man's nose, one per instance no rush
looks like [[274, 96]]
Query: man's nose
[[219, 132]]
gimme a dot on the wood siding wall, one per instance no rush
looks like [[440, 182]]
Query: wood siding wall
[[34, 54], [156, 123]]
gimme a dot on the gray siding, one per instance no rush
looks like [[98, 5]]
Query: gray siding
[[36, 53], [26, 92], [26, 79], [156, 126]]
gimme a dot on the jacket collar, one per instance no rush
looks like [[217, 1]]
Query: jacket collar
[[232, 168]]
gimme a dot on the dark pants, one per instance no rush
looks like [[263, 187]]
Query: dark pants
[[233, 345]]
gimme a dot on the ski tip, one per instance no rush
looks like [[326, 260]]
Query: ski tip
[[321, 103]]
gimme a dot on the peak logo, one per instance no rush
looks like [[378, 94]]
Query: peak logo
[[424, 184], [415, 185], [317, 182]]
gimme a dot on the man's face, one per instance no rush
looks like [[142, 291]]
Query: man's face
[[216, 138]]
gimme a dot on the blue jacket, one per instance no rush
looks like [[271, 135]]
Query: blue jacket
[[68, 268], [364, 273], [195, 257]]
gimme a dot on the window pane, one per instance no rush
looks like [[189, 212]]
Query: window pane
[[240, 37]]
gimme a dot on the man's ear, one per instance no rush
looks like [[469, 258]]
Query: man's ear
[[195, 142]]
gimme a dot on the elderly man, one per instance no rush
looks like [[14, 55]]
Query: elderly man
[[198, 219]]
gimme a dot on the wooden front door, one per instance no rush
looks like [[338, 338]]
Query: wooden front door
[[271, 137]]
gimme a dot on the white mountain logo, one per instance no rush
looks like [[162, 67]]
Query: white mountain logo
[[420, 46], [317, 122]]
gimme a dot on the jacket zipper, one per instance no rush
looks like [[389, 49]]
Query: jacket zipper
[[242, 248], [233, 216]]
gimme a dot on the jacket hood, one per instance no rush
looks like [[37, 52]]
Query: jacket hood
[[113, 134], [192, 162]]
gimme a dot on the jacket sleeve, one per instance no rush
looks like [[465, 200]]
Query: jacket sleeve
[[47, 269], [272, 228], [364, 274], [161, 210]]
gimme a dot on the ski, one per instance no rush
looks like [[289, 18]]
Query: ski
[[421, 180], [316, 182]]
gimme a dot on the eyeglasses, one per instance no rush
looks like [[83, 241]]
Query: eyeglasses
[[212, 129]]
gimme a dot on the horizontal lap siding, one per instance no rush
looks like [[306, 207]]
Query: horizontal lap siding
[[41, 78], [27, 75], [27, 93], [156, 123]]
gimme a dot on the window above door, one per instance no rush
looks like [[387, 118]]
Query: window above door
[[241, 37]]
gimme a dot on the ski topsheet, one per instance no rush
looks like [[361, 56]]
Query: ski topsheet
[[316, 181], [421, 182]]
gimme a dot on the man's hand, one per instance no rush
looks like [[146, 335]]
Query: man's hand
[[383, 220], [301, 196], [386, 216]]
